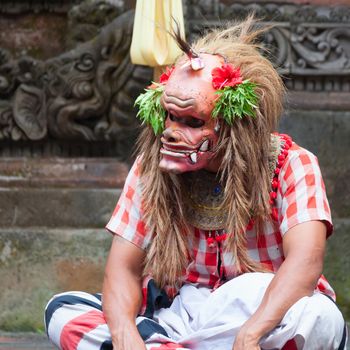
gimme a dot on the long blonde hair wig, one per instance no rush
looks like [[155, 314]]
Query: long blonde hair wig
[[244, 149]]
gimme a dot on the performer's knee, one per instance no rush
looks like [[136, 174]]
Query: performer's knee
[[328, 322], [56, 302], [326, 309], [65, 307]]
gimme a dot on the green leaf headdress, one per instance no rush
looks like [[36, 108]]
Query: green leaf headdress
[[151, 110], [237, 97]]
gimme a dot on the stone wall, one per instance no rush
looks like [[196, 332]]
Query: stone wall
[[52, 237], [327, 134]]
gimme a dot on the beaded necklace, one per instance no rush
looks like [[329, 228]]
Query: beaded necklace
[[203, 194]]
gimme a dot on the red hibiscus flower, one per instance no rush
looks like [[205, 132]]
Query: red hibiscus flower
[[166, 75], [226, 75]]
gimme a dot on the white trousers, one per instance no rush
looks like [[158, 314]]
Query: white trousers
[[201, 319]]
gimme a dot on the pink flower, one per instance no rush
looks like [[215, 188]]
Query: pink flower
[[226, 75], [166, 75]]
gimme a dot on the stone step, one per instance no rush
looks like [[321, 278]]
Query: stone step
[[59, 192], [62, 172], [22, 341], [56, 207]]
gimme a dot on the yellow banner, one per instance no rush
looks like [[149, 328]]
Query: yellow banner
[[151, 44]]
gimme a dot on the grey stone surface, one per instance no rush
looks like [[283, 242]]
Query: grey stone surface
[[21, 341], [56, 172], [59, 207], [337, 264], [36, 263], [327, 135], [52, 240]]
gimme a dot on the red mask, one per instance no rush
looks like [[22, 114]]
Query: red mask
[[190, 134]]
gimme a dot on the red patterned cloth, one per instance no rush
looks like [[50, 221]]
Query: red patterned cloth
[[301, 197]]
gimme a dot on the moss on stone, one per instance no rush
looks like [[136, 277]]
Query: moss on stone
[[25, 314], [38, 263]]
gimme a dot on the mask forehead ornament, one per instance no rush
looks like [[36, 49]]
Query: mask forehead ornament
[[186, 106]]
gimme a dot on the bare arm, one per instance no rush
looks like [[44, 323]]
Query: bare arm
[[304, 247], [122, 293]]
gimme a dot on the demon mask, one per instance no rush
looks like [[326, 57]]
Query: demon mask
[[186, 106], [190, 133]]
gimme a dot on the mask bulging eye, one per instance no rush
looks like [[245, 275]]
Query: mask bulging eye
[[172, 118], [195, 122], [192, 122]]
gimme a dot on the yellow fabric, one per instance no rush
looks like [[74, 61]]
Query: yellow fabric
[[151, 44]]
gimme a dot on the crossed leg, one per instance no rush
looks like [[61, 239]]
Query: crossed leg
[[199, 319]]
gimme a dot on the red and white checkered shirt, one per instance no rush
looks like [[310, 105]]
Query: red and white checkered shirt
[[301, 197]]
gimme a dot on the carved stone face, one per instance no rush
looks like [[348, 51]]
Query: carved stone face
[[190, 132]]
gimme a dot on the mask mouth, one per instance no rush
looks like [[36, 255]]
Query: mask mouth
[[183, 151]]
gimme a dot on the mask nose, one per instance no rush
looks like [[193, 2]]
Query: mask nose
[[170, 136]]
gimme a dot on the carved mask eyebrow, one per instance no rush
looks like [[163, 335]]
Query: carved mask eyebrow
[[178, 101]]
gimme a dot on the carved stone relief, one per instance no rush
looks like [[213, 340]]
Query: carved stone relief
[[84, 94], [278, 11], [86, 19], [22, 6], [304, 40]]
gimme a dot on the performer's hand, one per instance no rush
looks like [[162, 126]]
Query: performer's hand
[[128, 339], [245, 341]]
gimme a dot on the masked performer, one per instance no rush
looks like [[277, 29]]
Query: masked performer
[[219, 234]]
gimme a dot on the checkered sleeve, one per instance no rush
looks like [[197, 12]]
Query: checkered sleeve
[[302, 195], [126, 220]]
